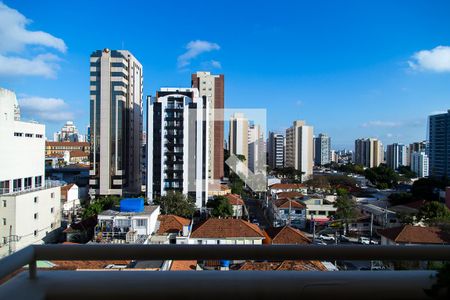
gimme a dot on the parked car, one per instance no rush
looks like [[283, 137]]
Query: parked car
[[326, 237], [344, 238], [364, 240], [255, 221], [319, 242]]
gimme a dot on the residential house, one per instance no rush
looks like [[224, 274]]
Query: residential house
[[285, 211], [319, 209], [226, 231], [69, 199], [286, 235], [382, 217], [131, 223], [287, 187], [172, 229], [238, 205], [414, 235]]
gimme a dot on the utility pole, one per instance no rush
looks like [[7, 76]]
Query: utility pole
[[314, 227], [371, 227]]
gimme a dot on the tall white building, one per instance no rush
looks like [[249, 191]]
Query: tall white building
[[68, 133], [420, 164], [397, 155], [322, 150], [177, 144], [30, 208], [369, 152], [238, 136], [275, 149], [299, 148], [116, 123], [256, 153]]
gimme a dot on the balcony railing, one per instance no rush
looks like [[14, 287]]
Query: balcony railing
[[20, 191], [220, 284]]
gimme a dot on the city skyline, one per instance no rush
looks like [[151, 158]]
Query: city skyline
[[371, 90]]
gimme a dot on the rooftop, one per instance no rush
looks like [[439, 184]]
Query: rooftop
[[235, 199], [287, 186], [171, 224], [286, 235], [290, 195], [148, 210], [288, 203], [227, 228], [409, 234]]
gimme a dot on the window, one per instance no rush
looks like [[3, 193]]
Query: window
[[5, 240], [35, 216], [17, 185], [52, 195], [4, 221], [4, 187], [4, 203], [36, 199], [52, 225], [199, 242], [35, 233], [18, 134], [28, 135], [52, 210], [27, 183], [141, 222], [39, 136]]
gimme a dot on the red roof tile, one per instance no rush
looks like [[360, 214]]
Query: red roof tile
[[286, 235], [287, 265], [226, 228], [409, 234], [287, 186], [235, 199], [183, 265], [292, 195], [288, 203], [171, 224], [74, 144]]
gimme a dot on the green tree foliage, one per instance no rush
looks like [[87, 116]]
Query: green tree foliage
[[289, 173], [220, 207], [98, 205], [351, 168], [382, 176], [319, 182], [400, 198], [424, 188], [175, 203], [433, 213], [346, 207], [407, 172]]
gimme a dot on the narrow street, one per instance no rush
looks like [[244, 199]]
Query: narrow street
[[256, 212]]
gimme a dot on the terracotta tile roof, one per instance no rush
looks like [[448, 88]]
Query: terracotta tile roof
[[235, 199], [227, 228], [78, 153], [183, 265], [409, 234], [291, 195], [286, 203], [286, 235], [72, 144], [287, 265], [86, 264], [171, 224], [67, 187], [287, 186], [55, 155]]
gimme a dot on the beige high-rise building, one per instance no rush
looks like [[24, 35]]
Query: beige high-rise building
[[238, 137], [212, 86], [116, 123], [299, 148], [369, 152]]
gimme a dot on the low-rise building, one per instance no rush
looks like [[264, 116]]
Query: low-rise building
[[382, 217], [172, 229], [285, 211], [70, 199], [287, 187], [237, 204], [318, 209], [131, 223], [414, 235], [52, 148], [226, 231], [286, 235]]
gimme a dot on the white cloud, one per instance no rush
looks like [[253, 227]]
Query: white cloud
[[435, 60], [14, 39], [216, 64], [194, 49], [381, 124], [45, 109], [41, 65]]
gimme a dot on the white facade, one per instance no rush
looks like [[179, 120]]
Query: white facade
[[68, 133], [420, 164], [256, 154], [322, 148], [70, 199], [30, 209], [178, 128], [238, 136], [299, 148]]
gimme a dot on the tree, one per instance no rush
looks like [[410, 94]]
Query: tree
[[98, 205], [382, 176], [433, 213], [319, 182], [220, 207], [400, 198], [407, 172], [425, 188], [346, 207], [175, 203]]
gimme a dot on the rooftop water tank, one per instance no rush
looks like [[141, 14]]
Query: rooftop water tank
[[132, 205]]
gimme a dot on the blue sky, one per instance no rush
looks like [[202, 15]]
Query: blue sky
[[349, 68]]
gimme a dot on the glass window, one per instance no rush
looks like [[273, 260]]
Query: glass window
[[36, 199], [38, 181], [4, 203], [35, 216], [4, 187], [35, 233], [17, 185], [27, 183], [4, 221]]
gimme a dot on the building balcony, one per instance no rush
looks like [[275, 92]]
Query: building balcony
[[113, 284], [25, 190]]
